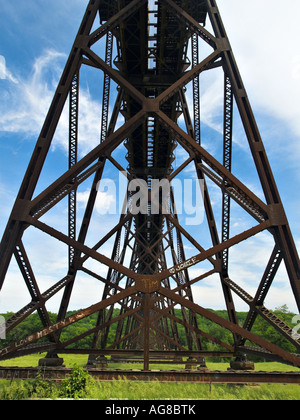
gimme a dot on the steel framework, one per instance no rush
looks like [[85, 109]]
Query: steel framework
[[151, 107]]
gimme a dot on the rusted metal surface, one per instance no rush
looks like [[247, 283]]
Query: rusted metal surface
[[148, 274], [229, 377]]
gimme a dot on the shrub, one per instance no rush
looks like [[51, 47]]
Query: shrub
[[39, 388], [75, 386]]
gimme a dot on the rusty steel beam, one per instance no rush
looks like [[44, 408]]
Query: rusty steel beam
[[254, 203], [14, 228], [64, 323], [214, 250], [225, 377], [115, 20], [73, 154], [282, 231], [83, 248], [153, 354], [285, 355]]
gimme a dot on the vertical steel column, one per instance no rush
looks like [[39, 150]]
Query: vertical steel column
[[196, 89], [146, 331], [282, 232], [106, 87], [15, 228], [227, 157], [73, 150]]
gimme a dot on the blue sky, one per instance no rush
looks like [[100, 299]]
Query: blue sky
[[35, 40]]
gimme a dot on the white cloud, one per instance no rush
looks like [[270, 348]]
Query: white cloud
[[105, 202], [264, 35], [248, 261], [4, 73], [26, 101], [269, 62], [212, 100]]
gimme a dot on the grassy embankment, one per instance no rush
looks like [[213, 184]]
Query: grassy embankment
[[130, 390]]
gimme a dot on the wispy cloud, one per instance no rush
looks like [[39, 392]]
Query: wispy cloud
[[26, 100], [105, 202], [4, 73], [267, 55]]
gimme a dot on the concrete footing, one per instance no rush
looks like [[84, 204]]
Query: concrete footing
[[241, 364], [99, 362], [53, 361], [194, 363]]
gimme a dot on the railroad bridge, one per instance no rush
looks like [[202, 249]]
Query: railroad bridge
[[152, 57]]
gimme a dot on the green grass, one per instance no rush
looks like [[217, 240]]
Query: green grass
[[124, 389], [80, 360], [128, 390]]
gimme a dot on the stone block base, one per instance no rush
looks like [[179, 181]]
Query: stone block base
[[241, 365], [51, 362]]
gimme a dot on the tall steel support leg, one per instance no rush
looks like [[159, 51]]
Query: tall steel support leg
[[228, 102], [282, 233], [196, 89], [227, 157], [106, 87], [192, 340], [146, 330], [73, 151], [15, 226]]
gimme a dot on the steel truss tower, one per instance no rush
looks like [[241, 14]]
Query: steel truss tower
[[153, 59]]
